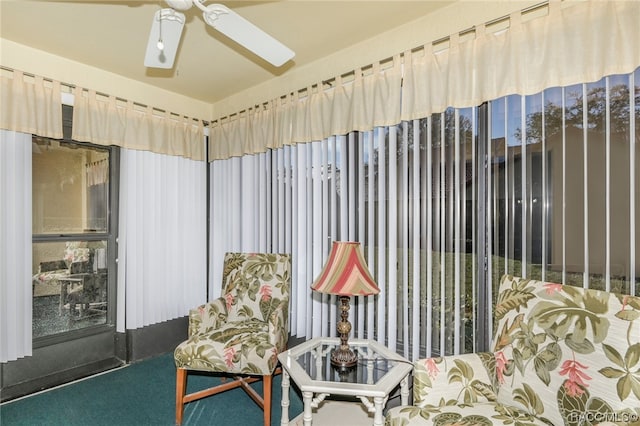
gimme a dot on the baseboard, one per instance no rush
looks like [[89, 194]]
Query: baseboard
[[156, 339], [58, 378], [58, 362]]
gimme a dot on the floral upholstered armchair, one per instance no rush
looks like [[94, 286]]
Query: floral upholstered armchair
[[75, 259], [562, 355], [71, 271], [241, 333]]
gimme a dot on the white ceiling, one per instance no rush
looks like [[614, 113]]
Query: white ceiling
[[112, 35]]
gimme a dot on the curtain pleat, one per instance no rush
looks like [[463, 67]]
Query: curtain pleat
[[105, 121], [15, 246], [162, 246], [30, 106]]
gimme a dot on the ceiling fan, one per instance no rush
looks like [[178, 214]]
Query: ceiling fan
[[167, 25]]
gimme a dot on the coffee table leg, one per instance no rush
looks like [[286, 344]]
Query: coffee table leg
[[284, 402], [378, 403], [306, 399], [404, 391]]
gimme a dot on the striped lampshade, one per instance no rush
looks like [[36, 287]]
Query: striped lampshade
[[346, 272]]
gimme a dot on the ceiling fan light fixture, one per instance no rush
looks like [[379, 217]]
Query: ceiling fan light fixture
[[246, 34], [164, 38]]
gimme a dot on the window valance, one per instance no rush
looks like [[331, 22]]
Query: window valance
[[574, 42], [580, 43], [31, 105], [111, 122], [368, 100]]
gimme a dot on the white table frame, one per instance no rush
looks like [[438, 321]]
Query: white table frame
[[373, 395]]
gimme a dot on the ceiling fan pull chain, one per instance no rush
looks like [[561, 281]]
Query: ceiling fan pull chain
[[160, 43]]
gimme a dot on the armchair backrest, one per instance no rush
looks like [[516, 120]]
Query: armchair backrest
[[52, 265], [563, 351], [74, 252], [255, 285]]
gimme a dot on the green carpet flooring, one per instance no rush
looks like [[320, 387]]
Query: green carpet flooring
[[142, 393]]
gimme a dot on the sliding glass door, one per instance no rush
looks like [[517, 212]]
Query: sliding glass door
[[74, 200], [541, 186]]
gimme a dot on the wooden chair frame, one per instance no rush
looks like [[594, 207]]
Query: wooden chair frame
[[263, 401]]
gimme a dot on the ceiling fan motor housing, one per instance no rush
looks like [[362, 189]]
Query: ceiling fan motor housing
[[180, 4]]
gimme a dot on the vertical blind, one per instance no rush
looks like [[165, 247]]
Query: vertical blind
[[563, 179], [551, 178], [15, 246], [373, 187], [162, 243]]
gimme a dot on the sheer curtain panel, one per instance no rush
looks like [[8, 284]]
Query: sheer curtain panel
[[162, 242], [31, 105], [15, 245]]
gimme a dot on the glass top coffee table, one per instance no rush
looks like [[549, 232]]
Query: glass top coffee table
[[378, 372]]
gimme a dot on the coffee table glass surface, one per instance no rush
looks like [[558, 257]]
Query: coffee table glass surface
[[378, 372], [372, 366]]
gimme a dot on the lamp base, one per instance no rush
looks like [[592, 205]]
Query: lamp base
[[343, 357]]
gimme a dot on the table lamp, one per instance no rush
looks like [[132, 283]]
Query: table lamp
[[345, 274]]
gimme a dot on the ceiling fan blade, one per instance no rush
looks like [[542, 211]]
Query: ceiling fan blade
[[164, 38], [246, 34]]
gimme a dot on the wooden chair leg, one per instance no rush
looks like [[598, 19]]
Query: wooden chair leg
[[266, 392], [181, 387]]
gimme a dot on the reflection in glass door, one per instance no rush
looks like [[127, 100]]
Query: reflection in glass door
[[71, 292], [70, 236]]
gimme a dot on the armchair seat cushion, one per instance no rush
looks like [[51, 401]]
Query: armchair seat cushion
[[478, 414], [251, 351]]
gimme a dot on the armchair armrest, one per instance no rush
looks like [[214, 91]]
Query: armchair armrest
[[208, 316], [455, 379]]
